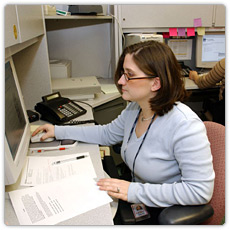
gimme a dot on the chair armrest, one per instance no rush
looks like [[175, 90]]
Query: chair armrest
[[124, 208], [126, 213], [182, 215]]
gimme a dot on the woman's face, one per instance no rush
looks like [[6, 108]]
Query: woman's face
[[138, 90]]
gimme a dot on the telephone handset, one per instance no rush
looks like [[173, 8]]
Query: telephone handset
[[57, 109]]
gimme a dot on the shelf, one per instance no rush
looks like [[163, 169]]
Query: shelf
[[10, 51], [166, 29], [79, 17]]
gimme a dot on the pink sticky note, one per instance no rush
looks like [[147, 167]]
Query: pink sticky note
[[190, 32], [172, 31], [197, 22], [181, 31]]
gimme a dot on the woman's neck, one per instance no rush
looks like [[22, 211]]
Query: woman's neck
[[146, 112]]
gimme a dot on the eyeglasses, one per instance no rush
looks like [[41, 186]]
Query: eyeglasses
[[128, 78]]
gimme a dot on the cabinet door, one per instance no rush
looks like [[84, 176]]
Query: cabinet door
[[30, 21], [220, 15], [147, 16], [11, 26]]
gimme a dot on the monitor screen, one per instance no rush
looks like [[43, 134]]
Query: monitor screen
[[15, 120], [17, 129], [210, 49]]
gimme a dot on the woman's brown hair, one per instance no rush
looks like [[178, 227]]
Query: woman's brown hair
[[155, 58]]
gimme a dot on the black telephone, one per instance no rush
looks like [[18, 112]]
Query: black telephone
[[57, 109]]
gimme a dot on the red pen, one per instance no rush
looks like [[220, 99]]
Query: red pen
[[44, 150]]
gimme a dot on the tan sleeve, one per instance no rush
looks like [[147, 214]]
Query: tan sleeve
[[216, 75]]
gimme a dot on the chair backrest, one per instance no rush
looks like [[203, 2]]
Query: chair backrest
[[216, 136]]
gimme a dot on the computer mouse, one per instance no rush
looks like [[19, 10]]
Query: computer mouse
[[37, 138]]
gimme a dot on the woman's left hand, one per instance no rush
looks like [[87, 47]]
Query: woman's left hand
[[115, 187]]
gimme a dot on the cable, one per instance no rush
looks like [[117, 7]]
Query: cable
[[83, 103], [74, 122], [120, 28]]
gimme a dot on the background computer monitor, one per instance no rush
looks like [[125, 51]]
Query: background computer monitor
[[210, 49], [17, 128]]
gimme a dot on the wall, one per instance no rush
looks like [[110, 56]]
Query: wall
[[88, 47]]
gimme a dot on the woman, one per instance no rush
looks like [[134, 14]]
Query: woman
[[164, 143], [213, 107]]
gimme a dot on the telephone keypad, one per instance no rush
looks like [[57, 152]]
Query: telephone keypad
[[70, 109]]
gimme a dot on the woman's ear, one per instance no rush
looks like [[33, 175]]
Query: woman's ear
[[156, 84]]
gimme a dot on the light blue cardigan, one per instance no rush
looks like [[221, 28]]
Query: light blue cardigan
[[174, 166]]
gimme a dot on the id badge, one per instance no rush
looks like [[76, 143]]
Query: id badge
[[140, 212]]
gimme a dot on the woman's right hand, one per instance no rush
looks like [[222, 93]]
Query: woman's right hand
[[47, 128]]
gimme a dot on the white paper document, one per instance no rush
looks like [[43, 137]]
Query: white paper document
[[49, 204], [109, 88], [41, 170]]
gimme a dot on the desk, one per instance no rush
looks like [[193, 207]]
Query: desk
[[98, 216]]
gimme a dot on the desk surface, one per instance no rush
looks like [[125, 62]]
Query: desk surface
[[98, 216]]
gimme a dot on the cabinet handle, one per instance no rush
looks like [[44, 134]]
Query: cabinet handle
[[15, 32]]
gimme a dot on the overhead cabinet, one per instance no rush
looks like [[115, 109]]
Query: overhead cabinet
[[220, 15], [152, 16], [22, 23], [11, 26], [26, 43]]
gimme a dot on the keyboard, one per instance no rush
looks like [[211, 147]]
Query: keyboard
[[190, 84], [185, 72]]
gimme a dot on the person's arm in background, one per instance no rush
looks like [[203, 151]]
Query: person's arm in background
[[216, 74]]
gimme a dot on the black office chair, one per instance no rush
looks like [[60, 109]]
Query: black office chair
[[188, 215]]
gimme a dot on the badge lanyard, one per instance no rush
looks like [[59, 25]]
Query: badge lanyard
[[131, 132]]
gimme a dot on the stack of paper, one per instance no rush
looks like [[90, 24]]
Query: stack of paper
[[42, 170], [63, 188]]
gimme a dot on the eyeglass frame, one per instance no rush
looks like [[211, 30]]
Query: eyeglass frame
[[127, 78]]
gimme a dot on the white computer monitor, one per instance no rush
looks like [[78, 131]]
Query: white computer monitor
[[17, 128], [210, 49]]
